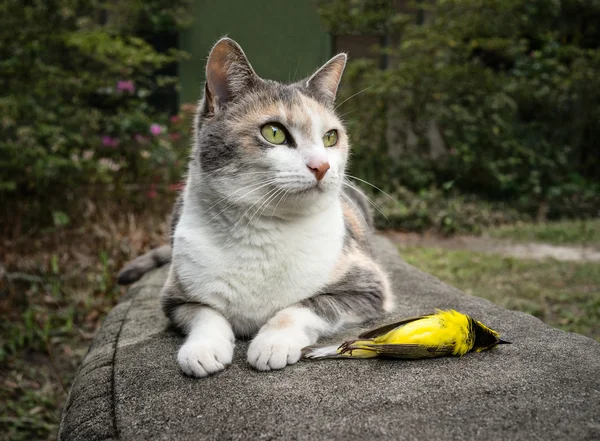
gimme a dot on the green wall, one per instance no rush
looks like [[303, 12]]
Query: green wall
[[283, 39]]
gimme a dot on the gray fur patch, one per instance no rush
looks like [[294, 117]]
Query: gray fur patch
[[176, 303], [135, 269], [361, 292]]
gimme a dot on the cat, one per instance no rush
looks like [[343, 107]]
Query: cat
[[268, 239]]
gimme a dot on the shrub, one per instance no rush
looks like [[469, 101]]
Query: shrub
[[77, 79], [512, 86]]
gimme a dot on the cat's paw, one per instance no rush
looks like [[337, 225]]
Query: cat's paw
[[202, 357], [276, 348]]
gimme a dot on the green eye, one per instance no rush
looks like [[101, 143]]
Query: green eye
[[330, 138], [274, 133]]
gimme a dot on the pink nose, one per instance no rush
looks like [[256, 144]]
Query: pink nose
[[319, 169]]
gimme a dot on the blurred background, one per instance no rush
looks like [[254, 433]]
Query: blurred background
[[475, 127]]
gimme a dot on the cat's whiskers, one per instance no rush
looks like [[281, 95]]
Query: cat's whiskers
[[252, 206], [272, 194], [282, 190], [355, 207], [281, 199], [239, 189], [233, 202], [296, 70], [347, 113], [350, 97], [368, 183], [254, 187], [368, 199]]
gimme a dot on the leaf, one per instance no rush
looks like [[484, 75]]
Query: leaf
[[60, 219]]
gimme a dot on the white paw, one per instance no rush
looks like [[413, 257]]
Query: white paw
[[202, 357], [276, 348]]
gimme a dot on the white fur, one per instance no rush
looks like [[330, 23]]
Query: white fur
[[209, 344], [251, 277], [281, 340]]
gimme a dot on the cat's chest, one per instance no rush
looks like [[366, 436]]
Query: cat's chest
[[250, 279]]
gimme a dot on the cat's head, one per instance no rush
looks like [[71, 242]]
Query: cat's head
[[258, 141]]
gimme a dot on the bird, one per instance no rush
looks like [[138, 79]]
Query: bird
[[443, 333]]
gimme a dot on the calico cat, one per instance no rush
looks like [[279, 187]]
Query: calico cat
[[268, 240]]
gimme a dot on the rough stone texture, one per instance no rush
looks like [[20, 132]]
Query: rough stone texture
[[545, 386]]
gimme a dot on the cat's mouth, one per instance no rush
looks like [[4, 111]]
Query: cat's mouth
[[313, 188]]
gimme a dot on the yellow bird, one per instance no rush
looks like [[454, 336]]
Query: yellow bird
[[444, 333]]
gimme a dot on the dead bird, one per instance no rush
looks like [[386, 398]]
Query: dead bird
[[444, 333]]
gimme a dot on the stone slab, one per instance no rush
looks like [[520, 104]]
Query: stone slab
[[545, 386]]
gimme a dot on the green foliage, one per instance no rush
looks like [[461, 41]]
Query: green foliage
[[441, 211], [562, 294], [77, 84], [513, 87], [357, 16], [583, 232]]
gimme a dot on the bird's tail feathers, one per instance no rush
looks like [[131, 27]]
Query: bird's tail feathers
[[318, 352], [349, 349]]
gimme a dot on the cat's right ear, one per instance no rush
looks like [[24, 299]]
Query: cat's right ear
[[228, 75]]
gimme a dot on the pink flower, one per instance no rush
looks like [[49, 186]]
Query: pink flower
[[175, 119], [177, 187], [174, 136], [126, 86], [152, 192], [108, 141], [155, 129]]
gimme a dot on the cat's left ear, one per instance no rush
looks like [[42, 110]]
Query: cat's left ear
[[325, 82]]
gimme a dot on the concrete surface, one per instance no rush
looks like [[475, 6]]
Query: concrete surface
[[545, 386]]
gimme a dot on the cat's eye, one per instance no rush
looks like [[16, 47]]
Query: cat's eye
[[330, 138], [274, 133]]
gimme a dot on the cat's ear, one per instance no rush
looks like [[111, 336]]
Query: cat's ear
[[228, 75], [325, 82]]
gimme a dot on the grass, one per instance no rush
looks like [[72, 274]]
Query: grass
[[56, 289], [563, 294], [583, 232]]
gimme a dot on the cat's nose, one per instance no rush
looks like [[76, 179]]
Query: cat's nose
[[318, 168]]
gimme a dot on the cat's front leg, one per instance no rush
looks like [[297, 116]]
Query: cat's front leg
[[209, 344], [360, 294], [280, 341]]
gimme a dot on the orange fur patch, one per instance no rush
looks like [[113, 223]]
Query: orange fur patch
[[356, 224], [283, 321]]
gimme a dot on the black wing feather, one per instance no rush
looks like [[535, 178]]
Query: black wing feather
[[387, 328]]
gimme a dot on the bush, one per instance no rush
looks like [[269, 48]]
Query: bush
[[77, 117], [512, 86]]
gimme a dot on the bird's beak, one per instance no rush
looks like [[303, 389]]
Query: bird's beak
[[503, 342]]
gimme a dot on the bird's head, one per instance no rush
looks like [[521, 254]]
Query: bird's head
[[485, 338]]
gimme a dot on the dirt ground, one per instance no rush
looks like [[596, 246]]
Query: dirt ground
[[484, 244]]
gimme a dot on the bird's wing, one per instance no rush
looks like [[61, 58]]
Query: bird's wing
[[387, 328], [413, 351]]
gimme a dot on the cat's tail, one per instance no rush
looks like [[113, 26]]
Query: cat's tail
[[134, 270]]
